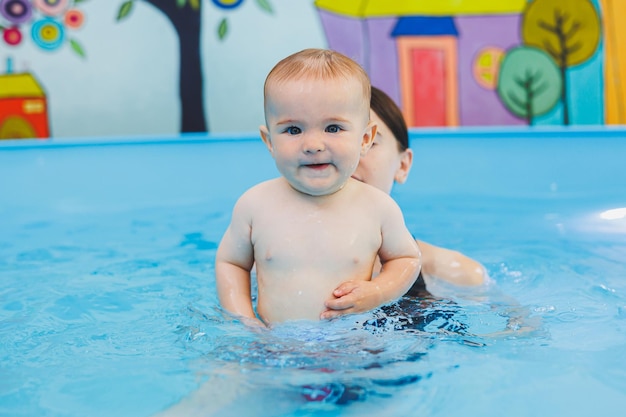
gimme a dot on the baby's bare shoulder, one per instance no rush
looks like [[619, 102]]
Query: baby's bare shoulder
[[260, 195], [261, 189], [373, 195]]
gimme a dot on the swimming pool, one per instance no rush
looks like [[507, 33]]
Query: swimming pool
[[107, 303]]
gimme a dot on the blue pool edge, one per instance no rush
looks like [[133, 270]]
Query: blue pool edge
[[565, 132]]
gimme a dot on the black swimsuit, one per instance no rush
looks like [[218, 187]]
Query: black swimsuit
[[419, 288], [417, 309]]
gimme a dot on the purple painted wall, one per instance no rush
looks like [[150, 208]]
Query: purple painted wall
[[369, 42], [478, 105], [383, 65], [345, 34]]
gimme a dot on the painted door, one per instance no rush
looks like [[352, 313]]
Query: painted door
[[428, 80], [429, 103]]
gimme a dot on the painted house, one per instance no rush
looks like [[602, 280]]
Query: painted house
[[437, 59], [23, 107]]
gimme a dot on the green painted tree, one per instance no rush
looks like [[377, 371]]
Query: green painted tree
[[568, 30], [529, 82], [185, 16]]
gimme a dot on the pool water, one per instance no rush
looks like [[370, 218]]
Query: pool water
[[108, 304]]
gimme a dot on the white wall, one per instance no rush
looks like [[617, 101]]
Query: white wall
[[235, 68], [128, 84]]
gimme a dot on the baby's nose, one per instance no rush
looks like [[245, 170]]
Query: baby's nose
[[313, 143]]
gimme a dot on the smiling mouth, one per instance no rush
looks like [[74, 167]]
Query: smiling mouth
[[317, 166]]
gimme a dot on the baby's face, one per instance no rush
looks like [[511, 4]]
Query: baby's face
[[316, 131]]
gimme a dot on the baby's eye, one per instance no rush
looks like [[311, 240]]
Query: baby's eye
[[333, 129], [293, 130]]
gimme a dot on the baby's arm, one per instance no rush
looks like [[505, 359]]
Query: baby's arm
[[401, 262], [233, 264], [450, 266]]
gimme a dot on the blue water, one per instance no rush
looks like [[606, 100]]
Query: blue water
[[108, 306]]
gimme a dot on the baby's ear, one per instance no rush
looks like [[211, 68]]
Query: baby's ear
[[368, 137], [265, 136]]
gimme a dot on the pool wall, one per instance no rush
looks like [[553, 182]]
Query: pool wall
[[78, 175]]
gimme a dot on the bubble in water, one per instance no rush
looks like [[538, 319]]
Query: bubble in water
[[568, 316], [607, 289], [544, 309]]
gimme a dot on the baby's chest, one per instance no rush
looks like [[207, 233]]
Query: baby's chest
[[317, 239]]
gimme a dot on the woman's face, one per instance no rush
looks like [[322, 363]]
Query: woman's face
[[384, 163]]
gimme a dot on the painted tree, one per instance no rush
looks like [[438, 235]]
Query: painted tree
[[185, 16], [529, 82], [569, 31]]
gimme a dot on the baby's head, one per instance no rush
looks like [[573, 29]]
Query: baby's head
[[317, 64], [317, 119]]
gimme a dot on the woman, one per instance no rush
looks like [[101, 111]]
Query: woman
[[389, 161]]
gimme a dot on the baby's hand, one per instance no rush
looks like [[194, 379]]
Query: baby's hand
[[353, 297]]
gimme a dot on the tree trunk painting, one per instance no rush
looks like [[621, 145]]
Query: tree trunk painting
[[185, 17]]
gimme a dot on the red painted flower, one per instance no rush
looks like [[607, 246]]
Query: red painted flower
[[12, 36], [74, 19]]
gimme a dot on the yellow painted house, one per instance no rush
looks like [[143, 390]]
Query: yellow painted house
[[23, 107]]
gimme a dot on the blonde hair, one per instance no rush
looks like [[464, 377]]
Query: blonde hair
[[320, 64]]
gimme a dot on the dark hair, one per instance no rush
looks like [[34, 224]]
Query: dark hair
[[391, 115]]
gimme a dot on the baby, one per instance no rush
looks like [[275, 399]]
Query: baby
[[314, 233]]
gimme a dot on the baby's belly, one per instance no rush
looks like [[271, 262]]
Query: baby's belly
[[295, 298], [304, 304], [295, 279]]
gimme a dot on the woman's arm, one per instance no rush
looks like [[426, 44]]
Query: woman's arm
[[450, 266]]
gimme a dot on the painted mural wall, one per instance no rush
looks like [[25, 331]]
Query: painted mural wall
[[162, 67]]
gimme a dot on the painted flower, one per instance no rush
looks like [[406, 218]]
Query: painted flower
[[47, 33], [16, 11], [74, 19], [12, 36], [227, 4], [51, 7]]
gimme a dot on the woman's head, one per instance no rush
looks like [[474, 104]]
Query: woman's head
[[389, 159], [389, 113]]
